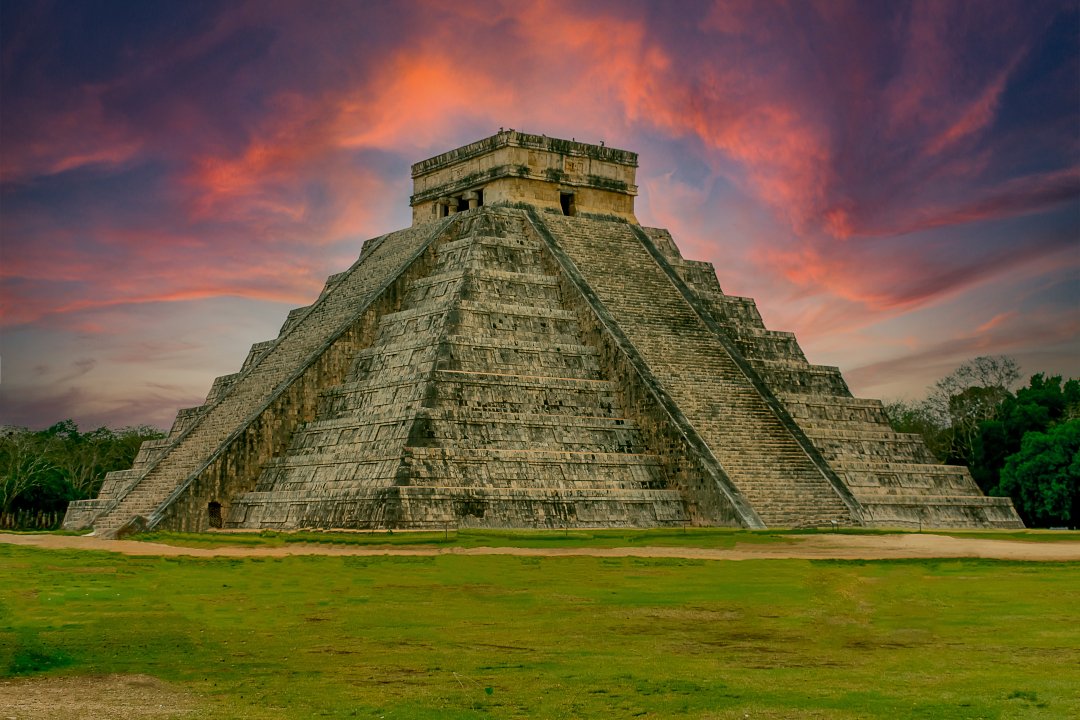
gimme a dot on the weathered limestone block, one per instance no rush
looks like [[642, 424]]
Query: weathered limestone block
[[695, 368], [220, 388], [149, 451], [513, 168], [185, 418], [255, 353], [479, 398]]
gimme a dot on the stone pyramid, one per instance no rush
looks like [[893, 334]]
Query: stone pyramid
[[527, 355]]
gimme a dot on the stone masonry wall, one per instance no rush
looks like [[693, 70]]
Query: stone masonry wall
[[683, 464], [753, 447], [895, 479], [475, 405], [218, 428]]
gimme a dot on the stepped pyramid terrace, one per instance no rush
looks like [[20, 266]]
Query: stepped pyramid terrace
[[528, 355]]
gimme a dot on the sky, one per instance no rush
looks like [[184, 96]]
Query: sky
[[897, 183]]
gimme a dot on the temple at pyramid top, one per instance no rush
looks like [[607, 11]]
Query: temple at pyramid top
[[512, 168], [526, 354]]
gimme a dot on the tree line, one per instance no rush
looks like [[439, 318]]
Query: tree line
[[1022, 444], [42, 471]]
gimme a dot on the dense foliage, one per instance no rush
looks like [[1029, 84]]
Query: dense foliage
[[1043, 478], [45, 469], [1021, 445]]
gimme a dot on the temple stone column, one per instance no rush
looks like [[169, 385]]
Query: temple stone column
[[473, 198]]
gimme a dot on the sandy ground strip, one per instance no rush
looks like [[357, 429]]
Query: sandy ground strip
[[808, 547]]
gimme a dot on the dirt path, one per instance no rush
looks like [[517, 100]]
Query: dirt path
[[102, 697], [813, 547]]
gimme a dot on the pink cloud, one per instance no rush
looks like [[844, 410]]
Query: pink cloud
[[1004, 334], [415, 102], [996, 321], [74, 132], [76, 278], [1012, 198], [975, 117], [894, 281]]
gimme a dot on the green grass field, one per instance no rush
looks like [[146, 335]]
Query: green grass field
[[623, 537], [494, 637]]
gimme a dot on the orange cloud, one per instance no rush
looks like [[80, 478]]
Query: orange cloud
[[995, 322], [414, 102]]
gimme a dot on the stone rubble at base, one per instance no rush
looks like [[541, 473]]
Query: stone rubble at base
[[527, 355]]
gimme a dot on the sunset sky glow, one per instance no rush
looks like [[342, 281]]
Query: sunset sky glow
[[898, 184]]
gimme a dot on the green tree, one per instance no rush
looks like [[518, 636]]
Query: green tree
[[969, 396], [1043, 478], [993, 374], [46, 469], [85, 458], [24, 465], [972, 418], [1036, 407], [949, 418]]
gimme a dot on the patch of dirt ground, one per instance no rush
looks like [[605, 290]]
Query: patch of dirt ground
[[809, 547], [101, 697]]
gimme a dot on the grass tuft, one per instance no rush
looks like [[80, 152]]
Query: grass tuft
[[28, 659]]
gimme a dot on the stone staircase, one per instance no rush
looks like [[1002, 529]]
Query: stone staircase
[[752, 445], [894, 477], [477, 404], [234, 401]]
